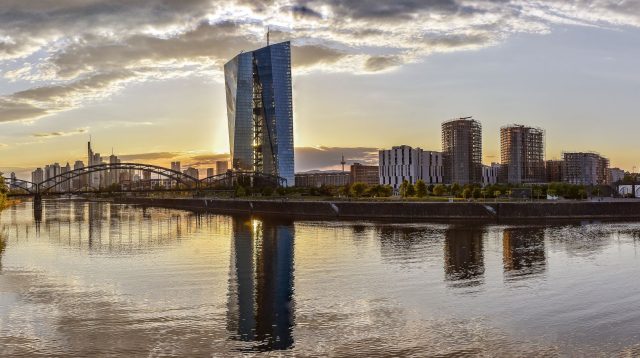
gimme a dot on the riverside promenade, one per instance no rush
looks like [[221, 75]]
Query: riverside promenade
[[627, 209]]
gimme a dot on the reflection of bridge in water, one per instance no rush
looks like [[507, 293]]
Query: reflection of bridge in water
[[260, 297]]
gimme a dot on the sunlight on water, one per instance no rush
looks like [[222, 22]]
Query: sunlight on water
[[93, 278]]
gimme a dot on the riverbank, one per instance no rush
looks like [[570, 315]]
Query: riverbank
[[406, 211]]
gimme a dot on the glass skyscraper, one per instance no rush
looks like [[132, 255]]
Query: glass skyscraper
[[260, 111]]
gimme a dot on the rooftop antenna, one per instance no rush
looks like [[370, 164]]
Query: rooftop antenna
[[267, 35]]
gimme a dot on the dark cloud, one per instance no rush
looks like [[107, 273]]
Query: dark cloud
[[83, 50], [302, 56], [379, 63], [302, 11]]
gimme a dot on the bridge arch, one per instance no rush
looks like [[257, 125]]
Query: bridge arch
[[29, 187], [62, 178]]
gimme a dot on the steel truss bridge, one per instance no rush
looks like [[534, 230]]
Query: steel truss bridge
[[178, 181]]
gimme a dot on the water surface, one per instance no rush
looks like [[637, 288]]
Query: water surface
[[88, 278]]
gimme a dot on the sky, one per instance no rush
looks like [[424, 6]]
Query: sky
[[144, 77]]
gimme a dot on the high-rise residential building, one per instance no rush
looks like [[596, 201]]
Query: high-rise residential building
[[222, 166], [522, 154], [403, 162], [260, 111], [210, 172], [554, 170], [368, 174], [585, 168], [462, 151], [176, 166]]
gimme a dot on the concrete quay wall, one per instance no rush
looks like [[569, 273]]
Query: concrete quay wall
[[422, 211]]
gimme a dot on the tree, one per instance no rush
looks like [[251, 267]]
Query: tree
[[466, 193], [358, 189], [403, 188], [421, 189], [455, 189], [380, 191], [477, 193], [497, 193], [411, 190], [438, 190]]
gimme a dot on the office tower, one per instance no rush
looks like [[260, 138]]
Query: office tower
[[95, 179], [37, 176], [192, 172], [210, 172], [368, 174], [222, 166], [522, 154], [462, 151], [175, 166], [403, 162], [80, 181], [260, 111], [585, 168]]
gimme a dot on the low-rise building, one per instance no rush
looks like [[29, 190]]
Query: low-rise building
[[490, 174], [368, 174], [615, 175], [317, 179], [403, 162], [555, 170], [585, 168]]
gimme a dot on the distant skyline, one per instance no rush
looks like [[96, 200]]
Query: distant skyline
[[145, 77]]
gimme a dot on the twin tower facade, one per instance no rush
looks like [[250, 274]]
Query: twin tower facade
[[260, 111]]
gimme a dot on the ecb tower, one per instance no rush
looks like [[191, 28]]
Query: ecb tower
[[260, 111]]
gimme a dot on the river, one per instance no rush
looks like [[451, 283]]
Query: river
[[93, 278]]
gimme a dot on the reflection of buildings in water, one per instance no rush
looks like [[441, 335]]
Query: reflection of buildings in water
[[105, 227], [463, 255], [261, 307], [3, 246], [523, 251]]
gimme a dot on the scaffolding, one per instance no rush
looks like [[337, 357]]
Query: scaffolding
[[522, 154], [462, 151]]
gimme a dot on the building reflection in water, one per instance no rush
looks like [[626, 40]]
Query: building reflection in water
[[261, 305], [463, 256], [523, 252]]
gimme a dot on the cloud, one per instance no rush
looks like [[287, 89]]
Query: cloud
[[153, 156], [324, 158], [60, 133], [78, 51]]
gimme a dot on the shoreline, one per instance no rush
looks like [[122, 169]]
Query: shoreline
[[405, 211]]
